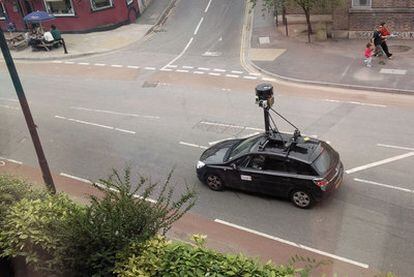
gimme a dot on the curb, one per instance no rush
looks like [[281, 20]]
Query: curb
[[162, 17], [248, 64]]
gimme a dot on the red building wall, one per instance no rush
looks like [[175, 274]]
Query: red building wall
[[85, 18]]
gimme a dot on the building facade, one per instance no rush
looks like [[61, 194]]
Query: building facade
[[73, 15]]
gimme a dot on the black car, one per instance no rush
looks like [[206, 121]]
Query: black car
[[304, 172]]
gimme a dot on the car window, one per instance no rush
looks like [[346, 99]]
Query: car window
[[243, 147], [300, 168], [275, 163], [256, 162], [323, 162]]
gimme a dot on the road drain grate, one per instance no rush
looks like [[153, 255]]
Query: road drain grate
[[150, 84]]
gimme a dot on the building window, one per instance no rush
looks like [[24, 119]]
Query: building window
[[59, 7], [101, 4], [361, 3], [2, 11]]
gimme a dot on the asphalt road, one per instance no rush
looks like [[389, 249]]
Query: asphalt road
[[157, 104]]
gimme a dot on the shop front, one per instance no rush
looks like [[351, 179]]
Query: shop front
[[71, 15]]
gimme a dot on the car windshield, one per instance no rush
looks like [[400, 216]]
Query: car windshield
[[323, 162], [243, 147]]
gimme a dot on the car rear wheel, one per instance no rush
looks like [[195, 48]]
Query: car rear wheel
[[214, 182], [302, 199]]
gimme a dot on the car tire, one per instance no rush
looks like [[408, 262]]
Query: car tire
[[214, 182], [302, 199]]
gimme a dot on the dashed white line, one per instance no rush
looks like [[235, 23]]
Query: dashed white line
[[208, 6], [236, 72], [115, 113], [172, 66], [346, 260], [116, 65], [83, 63], [203, 68], [166, 69], [214, 74], [125, 131], [255, 74], [69, 62], [250, 77], [269, 79], [385, 161], [192, 145], [133, 66], [149, 68], [9, 107], [383, 185], [356, 103], [11, 160], [231, 126], [198, 26], [188, 67], [198, 72], [94, 124], [232, 76], [99, 64], [182, 70], [219, 70], [181, 54], [395, 147], [57, 62]]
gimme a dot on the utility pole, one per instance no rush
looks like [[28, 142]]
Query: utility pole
[[47, 176]]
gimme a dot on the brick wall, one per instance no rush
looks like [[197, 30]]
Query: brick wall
[[362, 21], [392, 3]]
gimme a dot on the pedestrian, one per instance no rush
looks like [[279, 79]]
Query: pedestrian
[[377, 40], [369, 52], [55, 33], [385, 33]]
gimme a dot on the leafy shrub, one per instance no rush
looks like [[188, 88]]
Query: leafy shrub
[[162, 258], [13, 190], [33, 229], [119, 219]]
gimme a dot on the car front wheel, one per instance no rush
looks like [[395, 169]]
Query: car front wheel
[[214, 182], [302, 199]]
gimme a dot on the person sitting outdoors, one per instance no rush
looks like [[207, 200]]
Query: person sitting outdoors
[[55, 33], [48, 37]]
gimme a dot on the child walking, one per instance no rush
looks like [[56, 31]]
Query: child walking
[[369, 52]]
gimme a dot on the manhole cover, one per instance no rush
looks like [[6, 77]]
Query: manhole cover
[[400, 48], [150, 84]]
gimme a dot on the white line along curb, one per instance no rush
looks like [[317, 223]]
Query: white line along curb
[[292, 244], [11, 160]]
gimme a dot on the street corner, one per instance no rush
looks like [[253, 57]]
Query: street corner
[[265, 54]]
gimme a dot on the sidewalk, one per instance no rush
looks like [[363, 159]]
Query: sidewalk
[[222, 237], [79, 45], [336, 63]]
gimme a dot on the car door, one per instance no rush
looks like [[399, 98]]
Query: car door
[[248, 173], [275, 179]]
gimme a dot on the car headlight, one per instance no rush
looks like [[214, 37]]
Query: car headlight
[[200, 164]]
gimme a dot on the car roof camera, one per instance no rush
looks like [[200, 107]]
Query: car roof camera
[[265, 100]]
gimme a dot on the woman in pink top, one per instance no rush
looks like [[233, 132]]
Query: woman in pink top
[[369, 51]]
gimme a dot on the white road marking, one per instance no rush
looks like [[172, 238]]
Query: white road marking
[[269, 80], [383, 185], [232, 76], [250, 77], [83, 63], [220, 140], [356, 103], [208, 6], [95, 124], [198, 26], [181, 54], [385, 161], [230, 125], [99, 64], [9, 99], [173, 66], [255, 74], [166, 69], [133, 66], [11, 160], [182, 70], [237, 72], [346, 260], [57, 62], [116, 113], [214, 74], [9, 107], [116, 65], [219, 70], [69, 62], [198, 72], [204, 68], [149, 68], [192, 145], [188, 67], [101, 186], [393, 71], [395, 147]]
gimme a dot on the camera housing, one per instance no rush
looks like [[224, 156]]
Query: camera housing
[[264, 95]]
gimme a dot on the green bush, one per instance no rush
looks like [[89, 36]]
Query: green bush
[[162, 258], [13, 190], [119, 219], [34, 229]]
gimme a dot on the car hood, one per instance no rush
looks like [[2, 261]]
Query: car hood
[[217, 152]]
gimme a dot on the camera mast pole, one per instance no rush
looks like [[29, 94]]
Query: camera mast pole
[[264, 98]]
